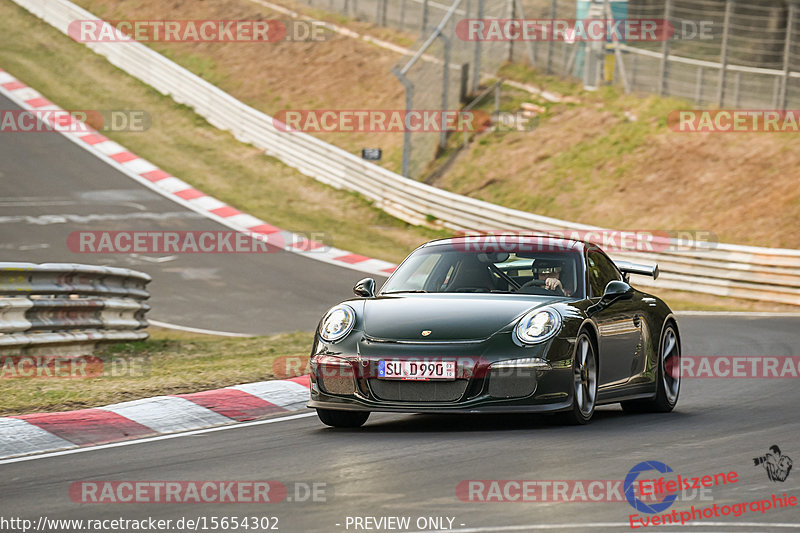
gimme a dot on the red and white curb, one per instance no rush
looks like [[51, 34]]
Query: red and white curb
[[179, 191], [48, 432]]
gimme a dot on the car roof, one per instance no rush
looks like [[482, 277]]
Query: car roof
[[515, 238]]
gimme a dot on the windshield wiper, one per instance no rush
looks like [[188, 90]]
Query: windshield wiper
[[405, 292]]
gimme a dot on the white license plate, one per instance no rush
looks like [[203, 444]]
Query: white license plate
[[417, 370]]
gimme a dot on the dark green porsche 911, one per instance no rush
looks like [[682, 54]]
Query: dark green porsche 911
[[497, 324]]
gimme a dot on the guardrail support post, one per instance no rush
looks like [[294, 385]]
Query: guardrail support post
[[464, 88], [698, 91], [723, 60]]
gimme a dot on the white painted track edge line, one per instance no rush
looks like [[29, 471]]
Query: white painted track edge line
[[167, 325], [155, 438]]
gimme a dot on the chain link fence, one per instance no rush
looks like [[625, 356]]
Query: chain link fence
[[724, 53]]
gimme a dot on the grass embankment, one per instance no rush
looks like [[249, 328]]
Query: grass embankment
[[169, 362], [604, 158]]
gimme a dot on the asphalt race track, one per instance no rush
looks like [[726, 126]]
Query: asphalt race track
[[47, 183], [397, 465], [410, 465]]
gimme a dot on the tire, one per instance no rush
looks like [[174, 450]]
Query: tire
[[584, 382], [668, 377], [342, 419]]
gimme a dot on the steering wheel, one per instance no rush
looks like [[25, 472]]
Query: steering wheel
[[533, 283]]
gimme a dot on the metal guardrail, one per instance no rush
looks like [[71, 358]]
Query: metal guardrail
[[70, 306], [722, 269]]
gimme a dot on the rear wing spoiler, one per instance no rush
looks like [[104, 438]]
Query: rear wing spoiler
[[633, 268]]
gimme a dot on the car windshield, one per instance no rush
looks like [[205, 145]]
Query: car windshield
[[447, 268]]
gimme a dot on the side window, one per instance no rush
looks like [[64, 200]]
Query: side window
[[600, 270]]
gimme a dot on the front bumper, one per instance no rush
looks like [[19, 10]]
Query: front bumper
[[477, 389]]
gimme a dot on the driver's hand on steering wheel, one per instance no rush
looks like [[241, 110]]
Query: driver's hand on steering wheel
[[552, 284]]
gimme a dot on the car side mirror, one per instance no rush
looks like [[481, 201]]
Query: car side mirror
[[365, 288], [617, 290]]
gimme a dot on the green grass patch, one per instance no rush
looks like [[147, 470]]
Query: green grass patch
[[169, 362]]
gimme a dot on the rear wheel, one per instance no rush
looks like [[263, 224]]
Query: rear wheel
[[584, 382], [668, 377], [342, 419]]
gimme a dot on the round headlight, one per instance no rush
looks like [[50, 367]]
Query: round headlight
[[537, 326], [337, 323]]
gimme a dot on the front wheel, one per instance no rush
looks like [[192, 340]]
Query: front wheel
[[342, 419], [668, 377], [584, 382]]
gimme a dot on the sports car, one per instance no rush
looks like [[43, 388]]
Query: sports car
[[500, 323]]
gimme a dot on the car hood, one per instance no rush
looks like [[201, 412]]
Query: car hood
[[446, 316]]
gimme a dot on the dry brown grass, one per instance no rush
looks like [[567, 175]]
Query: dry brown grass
[[585, 163]]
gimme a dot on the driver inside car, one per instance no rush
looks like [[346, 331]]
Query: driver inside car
[[550, 273]]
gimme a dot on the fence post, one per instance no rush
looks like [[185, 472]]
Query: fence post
[[512, 10], [553, 8], [723, 60], [445, 89], [424, 16], [409, 103], [787, 49], [402, 14], [476, 69], [380, 17], [529, 46], [662, 78]]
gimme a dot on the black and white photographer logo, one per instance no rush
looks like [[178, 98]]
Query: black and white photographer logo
[[777, 466]]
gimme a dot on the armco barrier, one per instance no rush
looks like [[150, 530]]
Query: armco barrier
[[722, 269], [69, 307]]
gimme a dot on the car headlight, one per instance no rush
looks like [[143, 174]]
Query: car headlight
[[337, 323], [537, 326]]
